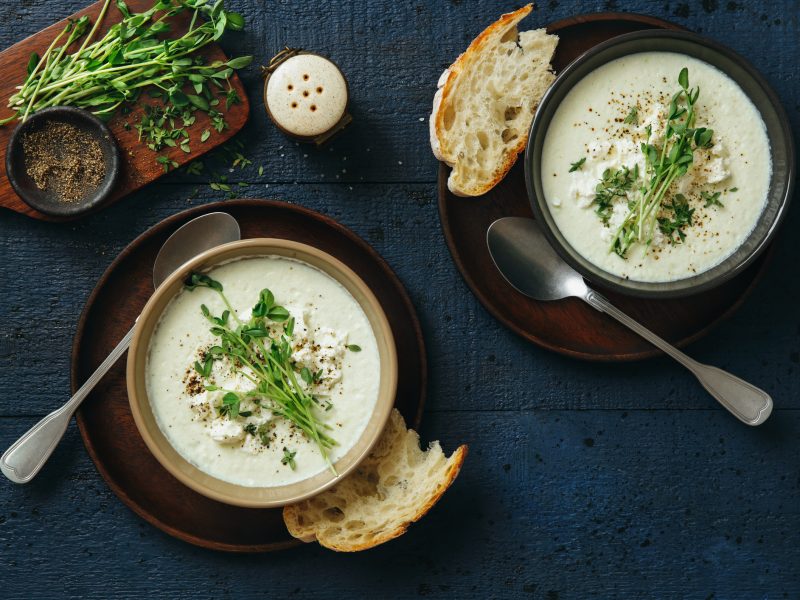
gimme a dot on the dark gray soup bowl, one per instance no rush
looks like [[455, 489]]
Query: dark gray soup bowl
[[762, 96], [43, 200]]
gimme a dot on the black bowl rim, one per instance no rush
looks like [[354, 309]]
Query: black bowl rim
[[680, 287], [107, 140]]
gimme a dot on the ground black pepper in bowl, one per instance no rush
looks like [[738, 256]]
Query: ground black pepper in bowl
[[64, 160]]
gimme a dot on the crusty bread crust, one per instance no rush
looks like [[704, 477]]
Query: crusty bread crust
[[292, 512], [447, 88], [448, 77], [399, 439]]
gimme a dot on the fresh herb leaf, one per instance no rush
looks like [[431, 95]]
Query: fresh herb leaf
[[577, 164], [263, 356], [664, 163], [235, 21], [277, 314], [633, 116], [681, 218], [166, 163], [613, 185], [683, 78], [230, 405], [194, 168], [196, 280], [354, 347], [288, 458], [711, 199], [263, 434], [33, 61], [138, 55]]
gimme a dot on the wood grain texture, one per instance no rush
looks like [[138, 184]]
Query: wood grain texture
[[594, 504], [139, 166], [567, 519]]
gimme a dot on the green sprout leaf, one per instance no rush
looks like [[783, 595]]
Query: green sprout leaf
[[263, 355], [288, 458], [633, 117], [577, 164]]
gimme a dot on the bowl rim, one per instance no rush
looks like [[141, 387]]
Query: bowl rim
[[106, 139], [597, 275], [192, 476]]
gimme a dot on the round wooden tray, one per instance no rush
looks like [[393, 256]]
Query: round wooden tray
[[105, 420], [570, 326]]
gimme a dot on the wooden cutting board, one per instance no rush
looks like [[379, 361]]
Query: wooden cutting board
[[139, 166]]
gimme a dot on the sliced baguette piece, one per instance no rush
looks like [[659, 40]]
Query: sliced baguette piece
[[393, 487], [486, 100]]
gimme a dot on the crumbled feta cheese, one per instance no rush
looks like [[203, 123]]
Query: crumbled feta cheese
[[225, 431]]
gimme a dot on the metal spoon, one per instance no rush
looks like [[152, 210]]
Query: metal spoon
[[527, 261], [25, 457]]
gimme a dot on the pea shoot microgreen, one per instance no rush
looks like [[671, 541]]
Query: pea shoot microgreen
[[663, 165], [260, 350], [108, 74]]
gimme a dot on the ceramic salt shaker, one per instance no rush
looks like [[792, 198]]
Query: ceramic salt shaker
[[306, 95]]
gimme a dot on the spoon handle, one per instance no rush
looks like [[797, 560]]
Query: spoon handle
[[25, 457], [745, 401]]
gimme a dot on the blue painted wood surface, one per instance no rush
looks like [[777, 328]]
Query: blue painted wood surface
[[582, 481]]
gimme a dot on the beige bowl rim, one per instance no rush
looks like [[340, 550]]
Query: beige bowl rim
[[189, 474]]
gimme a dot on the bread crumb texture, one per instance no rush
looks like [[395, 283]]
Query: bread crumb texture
[[486, 100], [393, 487]]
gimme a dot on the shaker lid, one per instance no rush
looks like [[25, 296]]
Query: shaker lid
[[306, 95]]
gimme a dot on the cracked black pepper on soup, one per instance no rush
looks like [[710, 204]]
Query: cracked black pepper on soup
[[63, 160]]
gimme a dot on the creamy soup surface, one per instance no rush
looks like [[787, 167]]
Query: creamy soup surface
[[329, 324], [604, 119]]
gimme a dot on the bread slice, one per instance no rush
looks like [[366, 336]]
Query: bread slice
[[485, 103], [393, 487]]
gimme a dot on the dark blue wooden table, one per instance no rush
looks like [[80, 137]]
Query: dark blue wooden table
[[583, 480]]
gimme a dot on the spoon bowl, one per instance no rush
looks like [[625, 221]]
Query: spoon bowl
[[191, 239], [526, 260]]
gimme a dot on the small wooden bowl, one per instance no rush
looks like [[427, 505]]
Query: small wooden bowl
[[182, 469], [45, 201]]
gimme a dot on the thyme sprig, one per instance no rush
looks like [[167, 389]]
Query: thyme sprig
[[613, 185], [265, 359], [577, 164], [663, 166]]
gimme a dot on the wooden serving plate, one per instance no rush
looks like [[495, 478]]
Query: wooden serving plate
[[571, 326], [105, 419], [139, 166]]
